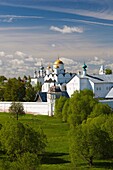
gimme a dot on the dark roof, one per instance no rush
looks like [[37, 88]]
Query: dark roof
[[95, 77], [50, 80], [65, 94], [42, 96]]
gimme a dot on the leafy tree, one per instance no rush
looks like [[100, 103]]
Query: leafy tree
[[89, 142], [38, 87], [25, 78], [101, 109], [2, 89], [16, 109], [59, 106], [27, 161], [108, 71], [14, 90], [81, 105], [108, 125], [65, 110], [2, 78], [2, 93], [29, 93], [19, 140]]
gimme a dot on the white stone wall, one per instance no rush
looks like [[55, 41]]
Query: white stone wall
[[36, 108], [102, 90], [73, 85]]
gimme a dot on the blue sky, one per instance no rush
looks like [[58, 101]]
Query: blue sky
[[32, 31]]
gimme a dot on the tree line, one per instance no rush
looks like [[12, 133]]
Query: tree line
[[17, 89], [91, 127]]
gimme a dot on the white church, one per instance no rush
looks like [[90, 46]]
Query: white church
[[56, 77]]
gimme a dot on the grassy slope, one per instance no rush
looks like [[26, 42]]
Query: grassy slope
[[57, 156], [57, 151]]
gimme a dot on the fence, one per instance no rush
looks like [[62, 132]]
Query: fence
[[36, 108]]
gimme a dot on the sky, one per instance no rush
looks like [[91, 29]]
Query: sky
[[40, 31]]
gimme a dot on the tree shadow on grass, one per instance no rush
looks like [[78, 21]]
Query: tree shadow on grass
[[104, 164], [54, 158]]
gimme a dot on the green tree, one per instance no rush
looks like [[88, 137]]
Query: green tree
[[108, 71], [14, 90], [89, 142], [65, 110], [29, 93], [101, 109], [38, 87], [2, 93], [59, 103], [18, 140], [81, 106], [16, 109], [108, 125], [2, 87], [27, 161], [2, 78]]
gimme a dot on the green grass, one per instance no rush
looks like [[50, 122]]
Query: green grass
[[57, 150]]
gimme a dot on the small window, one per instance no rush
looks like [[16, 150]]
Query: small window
[[99, 88]]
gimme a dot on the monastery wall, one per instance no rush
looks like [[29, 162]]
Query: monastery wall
[[36, 108]]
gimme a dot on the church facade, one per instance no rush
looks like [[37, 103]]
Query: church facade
[[56, 76]]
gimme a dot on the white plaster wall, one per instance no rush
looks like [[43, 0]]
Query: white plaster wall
[[35, 108], [84, 84], [73, 85], [102, 89]]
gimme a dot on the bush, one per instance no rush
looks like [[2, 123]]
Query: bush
[[16, 109]]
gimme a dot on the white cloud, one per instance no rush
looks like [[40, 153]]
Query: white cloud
[[104, 12], [17, 62], [96, 61], [30, 59], [20, 54], [68, 61], [96, 58], [67, 29], [2, 53], [37, 64], [11, 18], [8, 20], [53, 45], [1, 63], [19, 17], [110, 66], [9, 56]]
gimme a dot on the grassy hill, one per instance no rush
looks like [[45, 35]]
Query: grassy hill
[[57, 150]]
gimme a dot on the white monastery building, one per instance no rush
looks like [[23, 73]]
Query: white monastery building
[[52, 76], [101, 84]]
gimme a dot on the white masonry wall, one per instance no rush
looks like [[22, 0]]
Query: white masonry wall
[[36, 108]]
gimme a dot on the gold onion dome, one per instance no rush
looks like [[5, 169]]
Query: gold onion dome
[[57, 62]]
